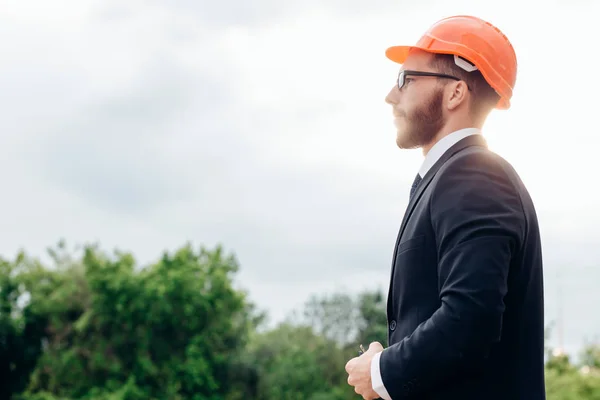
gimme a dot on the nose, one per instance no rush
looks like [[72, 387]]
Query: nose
[[392, 96]]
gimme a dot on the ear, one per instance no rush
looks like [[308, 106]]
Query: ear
[[457, 94]]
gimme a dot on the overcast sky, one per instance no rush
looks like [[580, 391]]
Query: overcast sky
[[261, 126]]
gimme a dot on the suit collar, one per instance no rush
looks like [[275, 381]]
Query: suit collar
[[471, 140], [467, 141]]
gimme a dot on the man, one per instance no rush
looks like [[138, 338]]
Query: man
[[465, 305]]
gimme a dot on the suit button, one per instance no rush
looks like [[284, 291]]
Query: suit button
[[392, 325]]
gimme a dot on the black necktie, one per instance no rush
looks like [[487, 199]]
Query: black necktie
[[414, 186]]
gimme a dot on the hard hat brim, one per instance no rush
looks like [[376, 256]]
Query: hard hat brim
[[398, 54]]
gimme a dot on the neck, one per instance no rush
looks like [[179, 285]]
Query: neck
[[448, 128]]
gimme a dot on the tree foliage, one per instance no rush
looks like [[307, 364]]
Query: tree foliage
[[99, 326], [92, 325]]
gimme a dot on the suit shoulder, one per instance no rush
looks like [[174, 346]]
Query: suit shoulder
[[478, 174], [476, 184], [479, 161]]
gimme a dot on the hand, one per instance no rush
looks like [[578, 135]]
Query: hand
[[359, 372]]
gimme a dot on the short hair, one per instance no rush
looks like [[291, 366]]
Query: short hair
[[484, 97]]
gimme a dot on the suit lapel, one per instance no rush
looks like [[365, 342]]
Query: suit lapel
[[473, 140]]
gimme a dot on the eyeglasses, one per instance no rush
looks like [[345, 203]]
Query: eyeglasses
[[404, 73]]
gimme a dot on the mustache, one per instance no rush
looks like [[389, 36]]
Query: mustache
[[399, 114]]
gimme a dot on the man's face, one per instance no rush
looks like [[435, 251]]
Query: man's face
[[417, 107]]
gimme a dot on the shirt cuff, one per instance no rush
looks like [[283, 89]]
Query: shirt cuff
[[376, 380]]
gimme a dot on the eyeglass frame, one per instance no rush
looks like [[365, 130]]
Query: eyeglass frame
[[408, 72]]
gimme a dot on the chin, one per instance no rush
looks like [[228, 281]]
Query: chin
[[401, 138], [401, 143], [404, 141]]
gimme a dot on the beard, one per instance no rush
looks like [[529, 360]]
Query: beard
[[423, 124]]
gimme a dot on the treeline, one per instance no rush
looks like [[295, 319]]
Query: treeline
[[93, 325]]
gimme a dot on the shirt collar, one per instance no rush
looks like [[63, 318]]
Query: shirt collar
[[442, 146]]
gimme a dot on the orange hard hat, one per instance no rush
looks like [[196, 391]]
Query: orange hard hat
[[476, 41]]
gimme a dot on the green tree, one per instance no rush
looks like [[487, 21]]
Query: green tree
[[568, 381], [373, 317], [295, 363], [590, 356], [112, 330], [21, 330], [335, 316], [98, 326], [346, 319], [304, 357]]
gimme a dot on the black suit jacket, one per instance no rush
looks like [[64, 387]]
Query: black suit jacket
[[465, 307]]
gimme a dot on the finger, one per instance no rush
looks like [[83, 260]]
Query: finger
[[368, 396], [350, 365], [375, 346]]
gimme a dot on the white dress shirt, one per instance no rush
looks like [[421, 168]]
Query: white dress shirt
[[431, 158]]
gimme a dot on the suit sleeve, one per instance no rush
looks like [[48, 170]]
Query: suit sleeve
[[478, 220]]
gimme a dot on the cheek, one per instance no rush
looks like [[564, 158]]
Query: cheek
[[404, 111]]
